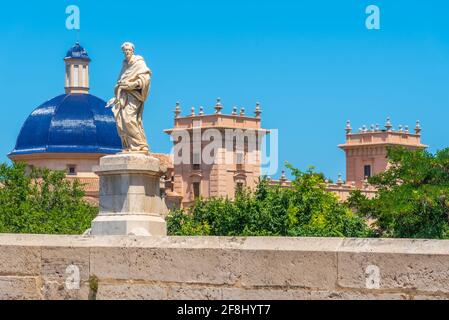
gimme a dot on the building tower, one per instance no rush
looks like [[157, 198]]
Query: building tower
[[366, 150], [215, 154]]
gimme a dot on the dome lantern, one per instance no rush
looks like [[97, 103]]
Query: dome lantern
[[77, 70]]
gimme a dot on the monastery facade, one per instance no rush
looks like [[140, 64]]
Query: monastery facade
[[215, 154]]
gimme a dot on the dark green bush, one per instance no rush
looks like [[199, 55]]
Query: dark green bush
[[413, 197], [306, 209], [41, 202]]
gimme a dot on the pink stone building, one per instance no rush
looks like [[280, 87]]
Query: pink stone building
[[366, 150], [214, 154], [366, 155]]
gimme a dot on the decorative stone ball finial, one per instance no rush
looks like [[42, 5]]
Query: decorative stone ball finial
[[201, 111], [258, 110], [372, 128], [406, 129], [348, 128], [218, 106], [283, 177], [400, 128], [234, 111], [177, 110], [192, 113], [377, 127], [388, 125], [242, 111], [340, 179], [418, 127]]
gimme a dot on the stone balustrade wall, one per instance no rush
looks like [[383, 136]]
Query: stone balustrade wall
[[75, 267]]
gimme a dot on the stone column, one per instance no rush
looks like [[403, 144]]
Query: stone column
[[130, 201]]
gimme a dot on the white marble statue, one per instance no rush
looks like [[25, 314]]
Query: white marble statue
[[131, 91]]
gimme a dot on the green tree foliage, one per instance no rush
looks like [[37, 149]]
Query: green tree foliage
[[41, 201], [413, 197], [306, 209]]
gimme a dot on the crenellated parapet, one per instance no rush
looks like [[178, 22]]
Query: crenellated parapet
[[237, 119], [374, 135]]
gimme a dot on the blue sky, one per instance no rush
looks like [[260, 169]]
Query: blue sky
[[311, 64]]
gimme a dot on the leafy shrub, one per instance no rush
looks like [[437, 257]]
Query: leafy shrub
[[306, 209], [42, 201], [413, 196]]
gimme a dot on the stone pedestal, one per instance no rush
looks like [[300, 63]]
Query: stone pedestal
[[130, 201]]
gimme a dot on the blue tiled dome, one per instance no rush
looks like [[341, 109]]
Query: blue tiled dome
[[70, 123], [77, 52]]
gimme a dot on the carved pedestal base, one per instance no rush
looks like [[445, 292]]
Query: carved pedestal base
[[130, 201]]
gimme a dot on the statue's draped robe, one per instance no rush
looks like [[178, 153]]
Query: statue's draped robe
[[129, 105]]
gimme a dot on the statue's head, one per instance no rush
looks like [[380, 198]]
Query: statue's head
[[128, 50]]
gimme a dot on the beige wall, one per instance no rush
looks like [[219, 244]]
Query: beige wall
[[220, 178], [59, 161], [83, 166], [357, 159], [40, 267]]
